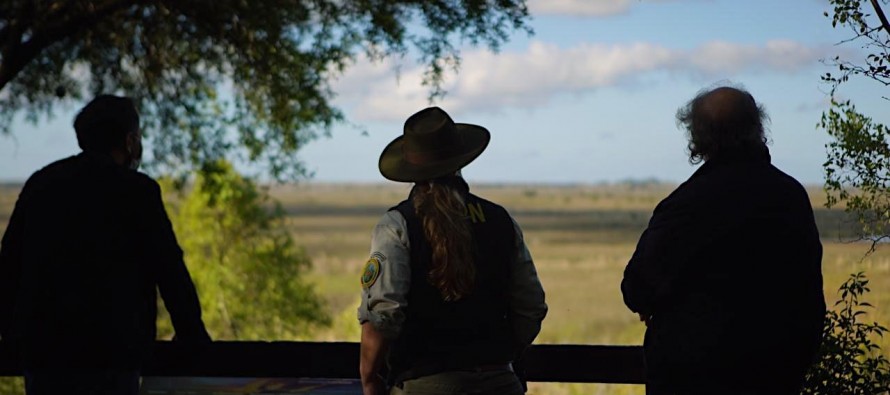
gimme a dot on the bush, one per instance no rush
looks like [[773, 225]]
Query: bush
[[849, 361], [248, 270], [12, 386]]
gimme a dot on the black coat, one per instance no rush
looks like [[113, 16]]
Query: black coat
[[729, 269], [87, 245]]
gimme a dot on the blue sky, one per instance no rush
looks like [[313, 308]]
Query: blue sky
[[590, 97]]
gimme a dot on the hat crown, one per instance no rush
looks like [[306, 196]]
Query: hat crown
[[431, 130]]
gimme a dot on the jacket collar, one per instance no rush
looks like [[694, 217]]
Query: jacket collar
[[759, 155], [460, 185], [97, 158]]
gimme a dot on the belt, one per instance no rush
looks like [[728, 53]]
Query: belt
[[489, 368], [427, 370]]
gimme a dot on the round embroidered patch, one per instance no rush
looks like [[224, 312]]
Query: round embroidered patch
[[371, 272]]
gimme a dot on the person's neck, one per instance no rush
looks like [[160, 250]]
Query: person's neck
[[119, 157], [747, 154]]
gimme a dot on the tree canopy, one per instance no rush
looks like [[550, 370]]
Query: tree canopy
[[247, 80], [857, 170]]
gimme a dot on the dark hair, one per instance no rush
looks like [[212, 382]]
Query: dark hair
[[105, 122], [720, 120], [446, 227]]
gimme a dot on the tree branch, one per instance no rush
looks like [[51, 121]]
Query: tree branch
[[15, 58], [13, 31], [5, 32], [881, 15]]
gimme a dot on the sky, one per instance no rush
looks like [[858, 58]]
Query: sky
[[590, 97]]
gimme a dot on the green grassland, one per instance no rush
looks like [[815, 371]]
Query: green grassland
[[580, 236]]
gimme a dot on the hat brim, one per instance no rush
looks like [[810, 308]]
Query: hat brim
[[395, 167]]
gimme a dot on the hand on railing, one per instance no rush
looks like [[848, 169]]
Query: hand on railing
[[645, 318]]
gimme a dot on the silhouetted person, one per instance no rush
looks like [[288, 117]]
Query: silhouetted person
[[87, 245], [451, 296], [728, 273]]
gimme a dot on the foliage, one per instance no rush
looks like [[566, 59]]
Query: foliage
[[869, 33], [181, 59], [858, 167], [849, 361], [245, 265], [857, 173], [12, 386]]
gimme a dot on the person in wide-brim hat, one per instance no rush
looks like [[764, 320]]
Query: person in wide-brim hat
[[447, 269], [432, 145]]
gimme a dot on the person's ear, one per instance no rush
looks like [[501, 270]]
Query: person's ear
[[134, 149]]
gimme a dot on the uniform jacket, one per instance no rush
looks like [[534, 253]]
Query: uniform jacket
[[87, 245], [400, 304], [729, 269]]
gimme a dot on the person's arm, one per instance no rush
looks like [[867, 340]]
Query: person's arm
[[811, 252], [527, 305], [11, 265], [374, 347], [673, 235], [174, 282], [641, 278], [385, 284]]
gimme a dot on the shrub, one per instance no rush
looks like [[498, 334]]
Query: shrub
[[849, 362]]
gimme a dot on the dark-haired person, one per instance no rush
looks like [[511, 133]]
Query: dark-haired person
[[450, 293], [728, 273], [86, 247]]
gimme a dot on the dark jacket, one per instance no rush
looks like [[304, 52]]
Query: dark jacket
[[87, 245], [439, 335], [729, 269]]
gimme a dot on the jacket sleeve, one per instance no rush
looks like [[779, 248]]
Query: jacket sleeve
[[386, 280], [526, 294], [11, 264], [175, 284], [663, 249]]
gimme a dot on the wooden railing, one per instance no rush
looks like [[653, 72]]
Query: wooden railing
[[543, 363]]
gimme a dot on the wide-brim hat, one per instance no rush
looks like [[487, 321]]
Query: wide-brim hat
[[432, 145]]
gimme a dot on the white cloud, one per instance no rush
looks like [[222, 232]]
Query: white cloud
[[578, 7], [532, 77], [778, 55], [586, 8]]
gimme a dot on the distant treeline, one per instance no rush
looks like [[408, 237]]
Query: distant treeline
[[618, 224]]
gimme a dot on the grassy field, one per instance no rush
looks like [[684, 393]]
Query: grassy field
[[580, 236]]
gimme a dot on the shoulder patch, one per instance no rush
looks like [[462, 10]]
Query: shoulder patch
[[372, 270]]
